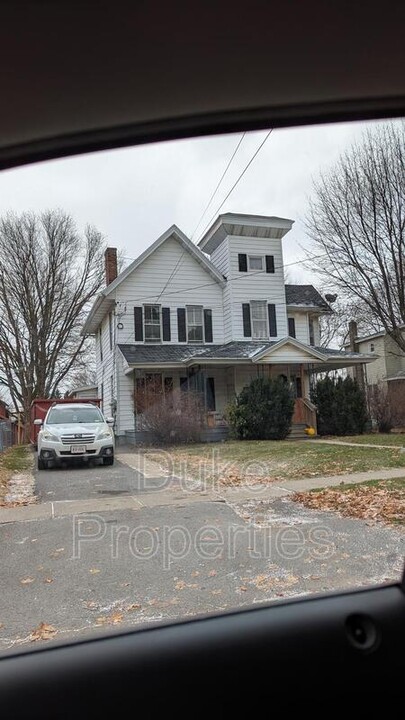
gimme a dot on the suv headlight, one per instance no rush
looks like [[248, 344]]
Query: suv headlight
[[46, 435], [103, 434]]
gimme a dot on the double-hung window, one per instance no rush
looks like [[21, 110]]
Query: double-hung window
[[152, 324], [195, 332], [258, 309]]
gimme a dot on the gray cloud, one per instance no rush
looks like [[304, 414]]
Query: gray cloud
[[133, 195]]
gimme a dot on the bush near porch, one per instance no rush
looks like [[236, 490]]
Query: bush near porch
[[262, 411], [341, 406]]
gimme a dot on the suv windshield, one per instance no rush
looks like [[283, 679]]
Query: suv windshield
[[59, 416]]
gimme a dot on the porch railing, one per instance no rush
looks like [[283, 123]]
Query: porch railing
[[305, 412]]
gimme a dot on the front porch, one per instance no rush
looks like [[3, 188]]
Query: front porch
[[215, 387], [215, 374]]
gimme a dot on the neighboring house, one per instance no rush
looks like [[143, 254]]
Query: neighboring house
[[208, 319], [86, 391], [387, 369]]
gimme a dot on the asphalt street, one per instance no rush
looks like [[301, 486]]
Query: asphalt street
[[93, 573]]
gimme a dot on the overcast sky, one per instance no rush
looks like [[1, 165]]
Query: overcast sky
[[134, 195]]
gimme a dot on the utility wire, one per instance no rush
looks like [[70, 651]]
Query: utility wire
[[218, 185], [238, 180], [241, 276]]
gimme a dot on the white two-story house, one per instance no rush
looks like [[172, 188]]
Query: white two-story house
[[210, 318]]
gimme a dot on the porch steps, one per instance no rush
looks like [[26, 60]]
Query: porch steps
[[297, 432]]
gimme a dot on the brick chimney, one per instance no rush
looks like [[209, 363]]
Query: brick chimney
[[111, 271]]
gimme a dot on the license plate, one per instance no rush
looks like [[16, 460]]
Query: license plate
[[77, 449]]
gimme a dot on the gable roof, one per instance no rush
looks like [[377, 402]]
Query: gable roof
[[305, 296], [105, 299], [188, 246], [307, 349]]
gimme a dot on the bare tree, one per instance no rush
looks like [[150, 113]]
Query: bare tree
[[357, 224], [334, 326], [48, 275]]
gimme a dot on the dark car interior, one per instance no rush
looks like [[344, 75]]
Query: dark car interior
[[79, 77]]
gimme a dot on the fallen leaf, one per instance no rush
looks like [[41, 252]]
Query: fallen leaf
[[94, 571], [48, 580], [212, 573], [27, 581], [216, 592], [195, 573], [134, 606], [125, 584], [383, 502], [114, 619], [42, 632], [34, 540], [1, 625], [243, 588], [180, 585], [90, 604]]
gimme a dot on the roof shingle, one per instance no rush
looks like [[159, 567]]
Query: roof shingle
[[305, 295]]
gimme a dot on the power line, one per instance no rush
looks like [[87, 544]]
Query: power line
[[238, 179], [242, 276], [276, 300], [176, 267], [219, 184]]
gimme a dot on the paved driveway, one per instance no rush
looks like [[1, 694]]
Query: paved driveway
[[83, 481]]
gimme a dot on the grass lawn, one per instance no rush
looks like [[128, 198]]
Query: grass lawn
[[382, 500], [235, 462], [394, 439], [15, 459]]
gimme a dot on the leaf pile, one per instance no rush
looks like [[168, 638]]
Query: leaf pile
[[380, 502], [43, 632]]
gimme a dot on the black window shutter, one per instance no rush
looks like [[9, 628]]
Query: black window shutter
[[247, 328], [269, 264], [181, 324], [166, 324], [138, 323], [291, 327], [210, 394], [272, 320], [242, 262], [208, 325]]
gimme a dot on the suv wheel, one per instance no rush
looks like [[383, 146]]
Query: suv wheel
[[108, 460], [41, 464]]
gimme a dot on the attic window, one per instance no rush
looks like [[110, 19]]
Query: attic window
[[255, 262], [372, 347]]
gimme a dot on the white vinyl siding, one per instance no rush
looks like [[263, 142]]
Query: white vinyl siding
[[255, 285], [221, 259], [125, 402], [190, 285], [105, 368]]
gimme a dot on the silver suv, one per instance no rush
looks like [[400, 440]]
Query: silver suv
[[72, 431]]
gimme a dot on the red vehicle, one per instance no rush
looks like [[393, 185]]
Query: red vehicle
[[40, 406]]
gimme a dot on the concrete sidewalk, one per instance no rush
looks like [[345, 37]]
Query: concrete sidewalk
[[181, 497], [320, 441]]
